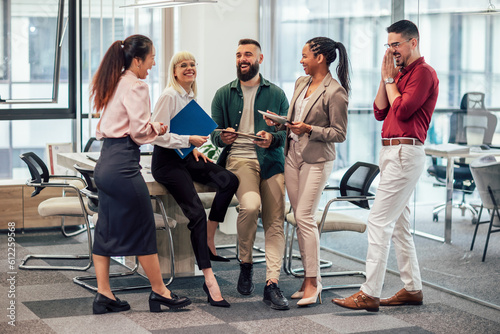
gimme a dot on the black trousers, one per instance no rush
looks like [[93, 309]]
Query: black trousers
[[178, 175]]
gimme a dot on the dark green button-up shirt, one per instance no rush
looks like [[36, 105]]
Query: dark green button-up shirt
[[227, 107]]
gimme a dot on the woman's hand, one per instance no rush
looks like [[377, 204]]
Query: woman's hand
[[197, 155], [197, 141], [163, 129], [299, 128], [268, 138], [228, 138], [269, 121]]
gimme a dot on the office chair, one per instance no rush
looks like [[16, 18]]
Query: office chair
[[471, 125], [73, 206], [354, 188], [162, 223], [93, 145], [486, 173]]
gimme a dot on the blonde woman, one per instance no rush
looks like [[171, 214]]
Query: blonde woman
[[178, 174]]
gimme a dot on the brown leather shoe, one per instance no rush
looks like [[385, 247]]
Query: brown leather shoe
[[403, 297], [359, 301]]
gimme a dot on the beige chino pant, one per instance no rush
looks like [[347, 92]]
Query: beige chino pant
[[389, 219], [304, 185], [254, 192]]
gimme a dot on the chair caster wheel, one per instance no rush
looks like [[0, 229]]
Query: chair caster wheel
[[435, 217], [474, 221]]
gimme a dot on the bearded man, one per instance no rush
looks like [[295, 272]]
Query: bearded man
[[258, 164]]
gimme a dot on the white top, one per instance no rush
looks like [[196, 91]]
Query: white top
[[128, 112], [300, 106], [243, 147], [169, 104]]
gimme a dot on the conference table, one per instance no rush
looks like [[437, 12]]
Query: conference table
[[450, 152], [184, 256]]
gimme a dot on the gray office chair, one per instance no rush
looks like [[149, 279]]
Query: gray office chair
[[486, 173], [472, 125], [355, 189], [93, 145], [72, 206], [162, 222]]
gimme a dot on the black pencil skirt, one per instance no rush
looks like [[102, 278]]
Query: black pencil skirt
[[126, 222]]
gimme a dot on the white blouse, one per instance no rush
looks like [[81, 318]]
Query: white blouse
[[169, 104]]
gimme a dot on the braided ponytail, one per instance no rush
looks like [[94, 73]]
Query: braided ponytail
[[328, 47]]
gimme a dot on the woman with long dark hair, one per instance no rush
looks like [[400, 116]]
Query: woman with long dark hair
[[317, 120], [178, 174], [126, 224]]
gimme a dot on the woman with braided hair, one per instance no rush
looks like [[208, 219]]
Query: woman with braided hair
[[317, 119]]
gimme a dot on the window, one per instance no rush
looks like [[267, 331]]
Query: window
[[462, 53]]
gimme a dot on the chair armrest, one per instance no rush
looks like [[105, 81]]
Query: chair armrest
[[348, 199], [53, 185], [68, 177], [89, 193], [354, 198]]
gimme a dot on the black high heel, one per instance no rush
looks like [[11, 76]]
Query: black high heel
[[103, 304], [217, 257], [220, 303], [175, 302]]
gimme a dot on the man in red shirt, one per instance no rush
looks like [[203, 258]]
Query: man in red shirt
[[405, 102]]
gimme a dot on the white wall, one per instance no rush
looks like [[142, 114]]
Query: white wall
[[211, 32]]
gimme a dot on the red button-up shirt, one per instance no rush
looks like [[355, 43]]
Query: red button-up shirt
[[410, 114]]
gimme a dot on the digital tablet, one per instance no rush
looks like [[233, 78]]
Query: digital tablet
[[277, 118], [248, 135]]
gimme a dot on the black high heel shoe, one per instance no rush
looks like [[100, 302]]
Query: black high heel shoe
[[103, 304], [220, 303], [175, 302], [217, 257]]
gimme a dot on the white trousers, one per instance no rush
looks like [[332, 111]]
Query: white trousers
[[304, 185], [400, 169]]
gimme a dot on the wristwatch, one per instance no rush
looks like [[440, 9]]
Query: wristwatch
[[389, 80]]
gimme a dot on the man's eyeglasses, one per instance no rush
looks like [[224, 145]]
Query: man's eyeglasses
[[186, 65], [396, 45]]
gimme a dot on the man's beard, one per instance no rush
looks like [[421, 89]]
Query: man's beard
[[252, 71]]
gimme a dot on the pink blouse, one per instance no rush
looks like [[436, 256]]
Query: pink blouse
[[128, 112]]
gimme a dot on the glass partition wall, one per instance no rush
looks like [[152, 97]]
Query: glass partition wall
[[27, 52], [103, 22], [456, 39]]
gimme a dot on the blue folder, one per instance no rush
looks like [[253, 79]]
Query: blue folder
[[192, 120]]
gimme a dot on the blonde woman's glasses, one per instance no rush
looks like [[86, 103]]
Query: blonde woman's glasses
[[186, 65]]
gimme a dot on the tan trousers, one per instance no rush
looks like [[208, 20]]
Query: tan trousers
[[252, 193], [304, 185]]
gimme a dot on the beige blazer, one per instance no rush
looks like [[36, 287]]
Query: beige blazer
[[326, 112]]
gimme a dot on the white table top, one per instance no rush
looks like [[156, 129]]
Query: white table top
[[458, 151], [69, 159]]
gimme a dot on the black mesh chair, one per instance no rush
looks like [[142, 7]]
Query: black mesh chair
[[354, 188], [69, 206], [162, 223], [472, 125], [486, 173]]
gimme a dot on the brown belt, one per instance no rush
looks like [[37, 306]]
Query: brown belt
[[397, 141]]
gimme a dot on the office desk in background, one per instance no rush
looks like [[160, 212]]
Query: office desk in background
[[450, 152], [184, 256]]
